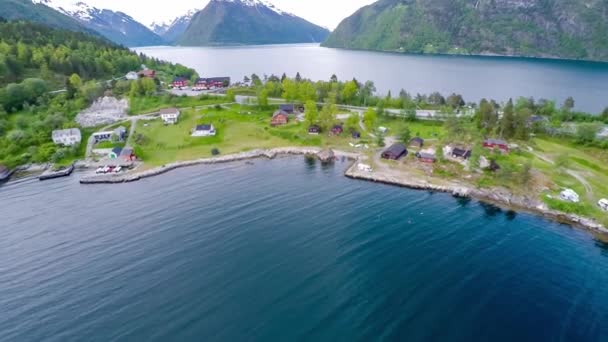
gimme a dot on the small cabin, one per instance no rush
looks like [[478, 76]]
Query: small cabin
[[461, 153], [279, 118], [314, 130], [417, 142], [356, 134], [426, 157], [337, 130], [204, 131], [496, 143], [179, 82], [395, 152]]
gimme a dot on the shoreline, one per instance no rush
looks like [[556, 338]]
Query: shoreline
[[498, 197]]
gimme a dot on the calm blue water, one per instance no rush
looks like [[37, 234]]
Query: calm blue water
[[287, 250], [474, 77]]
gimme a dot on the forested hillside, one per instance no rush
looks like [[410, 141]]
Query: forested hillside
[[39, 13], [541, 28], [35, 60]]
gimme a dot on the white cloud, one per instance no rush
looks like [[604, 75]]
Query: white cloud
[[326, 13]]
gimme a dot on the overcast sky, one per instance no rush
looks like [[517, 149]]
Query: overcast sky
[[326, 13]]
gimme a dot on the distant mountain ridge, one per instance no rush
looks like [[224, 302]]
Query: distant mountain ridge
[[536, 28], [38, 13], [248, 22], [115, 26], [172, 30]]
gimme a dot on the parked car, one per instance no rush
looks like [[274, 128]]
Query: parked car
[[603, 203], [99, 170], [117, 169]]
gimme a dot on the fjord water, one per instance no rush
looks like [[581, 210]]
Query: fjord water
[[287, 250], [497, 78]]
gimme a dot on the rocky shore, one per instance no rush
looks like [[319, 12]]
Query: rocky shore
[[501, 198], [270, 154]]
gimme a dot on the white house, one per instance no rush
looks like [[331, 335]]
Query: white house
[[570, 196], [120, 133], [67, 137], [204, 131], [132, 76], [170, 115]]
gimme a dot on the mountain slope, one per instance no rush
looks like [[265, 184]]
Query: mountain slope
[[248, 22], [541, 28], [27, 10], [116, 26], [171, 31]]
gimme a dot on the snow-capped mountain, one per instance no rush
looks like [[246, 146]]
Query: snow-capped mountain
[[248, 22], [116, 26], [170, 31]]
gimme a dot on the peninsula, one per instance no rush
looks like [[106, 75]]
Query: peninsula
[[150, 117]]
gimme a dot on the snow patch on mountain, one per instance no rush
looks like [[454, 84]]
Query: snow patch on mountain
[[256, 3]]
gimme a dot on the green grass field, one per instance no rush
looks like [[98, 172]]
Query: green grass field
[[239, 129], [427, 130]]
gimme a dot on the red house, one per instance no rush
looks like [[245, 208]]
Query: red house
[[426, 157], [147, 73], [179, 82], [212, 83], [496, 143], [279, 118], [337, 130]]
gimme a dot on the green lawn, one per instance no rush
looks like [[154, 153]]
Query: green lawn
[[239, 129], [421, 128]]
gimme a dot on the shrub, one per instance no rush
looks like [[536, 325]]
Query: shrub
[[215, 151]]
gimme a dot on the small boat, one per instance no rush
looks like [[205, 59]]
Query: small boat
[[61, 172]]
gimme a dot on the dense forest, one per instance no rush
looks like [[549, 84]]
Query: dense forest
[[36, 60], [540, 28]]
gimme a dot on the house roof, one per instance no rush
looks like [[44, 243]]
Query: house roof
[[337, 127], [179, 79], [287, 107], [117, 150], [148, 72], [70, 132], [213, 79], [396, 149], [204, 127], [425, 155], [169, 111], [314, 128]]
